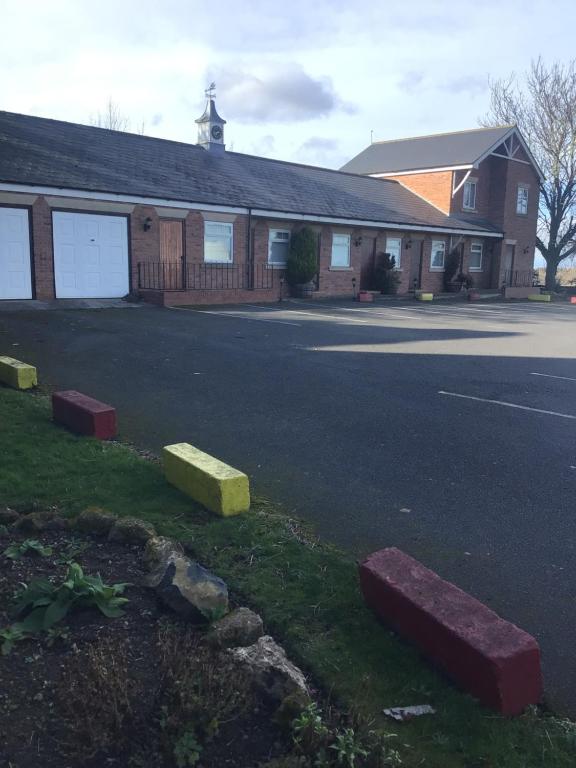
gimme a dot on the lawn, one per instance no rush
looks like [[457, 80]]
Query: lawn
[[307, 593]]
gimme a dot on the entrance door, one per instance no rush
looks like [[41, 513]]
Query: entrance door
[[367, 256], [90, 256], [15, 271], [509, 264], [416, 265], [171, 240]]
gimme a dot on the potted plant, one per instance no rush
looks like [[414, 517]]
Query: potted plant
[[450, 270], [302, 263], [385, 278]]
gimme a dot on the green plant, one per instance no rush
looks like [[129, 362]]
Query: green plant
[[302, 262], [385, 278], [28, 546], [465, 280], [44, 604], [187, 749], [10, 636], [348, 748], [55, 634], [309, 730], [70, 554]]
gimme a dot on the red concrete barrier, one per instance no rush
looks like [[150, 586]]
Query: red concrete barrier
[[84, 415], [365, 296], [490, 658], [572, 299]]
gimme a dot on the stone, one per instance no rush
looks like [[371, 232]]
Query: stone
[[130, 530], [241, 627], [271, 670], [158, 550], [36, 522], [189, 589], [488, 657], [96, 521], [8, 516]]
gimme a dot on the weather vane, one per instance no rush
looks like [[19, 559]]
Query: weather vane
[[210, 92]]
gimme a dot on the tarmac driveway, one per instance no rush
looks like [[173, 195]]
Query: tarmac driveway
[[446, 431]]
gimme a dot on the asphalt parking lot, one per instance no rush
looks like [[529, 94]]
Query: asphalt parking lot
[[448, 431]]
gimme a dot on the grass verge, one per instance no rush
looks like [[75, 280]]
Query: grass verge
[[307, 593]]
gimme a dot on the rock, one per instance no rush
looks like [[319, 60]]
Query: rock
[[271, 670], [242, 627], [8, 516], [158, 549], [130, 530], [96, 521], [36, 522], [189, 589]]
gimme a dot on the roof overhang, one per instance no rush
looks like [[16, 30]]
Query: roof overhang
[[422, 170], [257, 212], [514, 131]]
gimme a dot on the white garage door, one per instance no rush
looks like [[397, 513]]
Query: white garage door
[[90, 256], [15, 273]]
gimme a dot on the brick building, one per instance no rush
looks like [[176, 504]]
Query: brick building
[[87, 212]]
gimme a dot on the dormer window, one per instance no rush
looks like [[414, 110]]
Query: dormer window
[[469, 198]]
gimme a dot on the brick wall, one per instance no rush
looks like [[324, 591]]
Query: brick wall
[[435, 187], [43, 259]]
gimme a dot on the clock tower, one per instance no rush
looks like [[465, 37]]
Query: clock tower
[[211, 125]]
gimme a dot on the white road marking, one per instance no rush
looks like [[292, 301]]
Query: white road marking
[[549, 376], [329, 317], [383, 312], [235, 316], [507, 405]]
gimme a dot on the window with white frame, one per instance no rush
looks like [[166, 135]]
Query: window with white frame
[[522, 199], [394, 248], [340, 251], [469, 198], [476, 257], [438, 255], [218, 242], [278, 247]]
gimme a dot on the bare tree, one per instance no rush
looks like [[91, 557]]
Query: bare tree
[[542, 103], [111, 118]]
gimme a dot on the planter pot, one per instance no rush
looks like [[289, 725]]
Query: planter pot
[[303, 290], [473, 296], [366, 296]]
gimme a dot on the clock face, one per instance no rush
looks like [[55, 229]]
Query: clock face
[[216, 132]]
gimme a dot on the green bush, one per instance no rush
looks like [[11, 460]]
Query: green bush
[[302, 262], [385, 278]]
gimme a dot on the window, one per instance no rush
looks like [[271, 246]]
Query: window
[[340, 251], [438, 254], [394, 248], [278, 245], [522, 199], [476, 257], [218, 242], [469, 199]]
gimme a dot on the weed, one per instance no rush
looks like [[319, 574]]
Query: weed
[[10, 636], [96, 697], [187, 750], [310, 732], [27, 547], [44, 604], [70, 554], [56, 634], [348, 748]]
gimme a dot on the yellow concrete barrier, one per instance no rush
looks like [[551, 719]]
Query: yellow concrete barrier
[[17, 374], [217, 486], [540, 297], [425, 296]]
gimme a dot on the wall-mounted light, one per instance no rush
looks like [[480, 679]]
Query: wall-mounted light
[[526, 250], [147, 224], [358, 241], [408, 244]]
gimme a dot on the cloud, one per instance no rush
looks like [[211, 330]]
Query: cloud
[[315, 143], [411, 81], [467, 85], [280, 93], [319, 150]]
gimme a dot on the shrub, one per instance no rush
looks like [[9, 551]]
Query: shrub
[[302, 263], [385, 278]]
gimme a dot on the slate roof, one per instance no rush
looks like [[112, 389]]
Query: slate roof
[[436, 151], [42, 152]]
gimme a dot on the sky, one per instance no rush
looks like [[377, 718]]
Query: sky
[[309, 82]]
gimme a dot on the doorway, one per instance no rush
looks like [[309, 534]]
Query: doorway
[[416, 265]]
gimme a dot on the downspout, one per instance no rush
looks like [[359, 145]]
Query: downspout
[[249, 265]]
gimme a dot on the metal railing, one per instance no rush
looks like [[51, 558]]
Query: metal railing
[[520, 278], [177, 276]]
